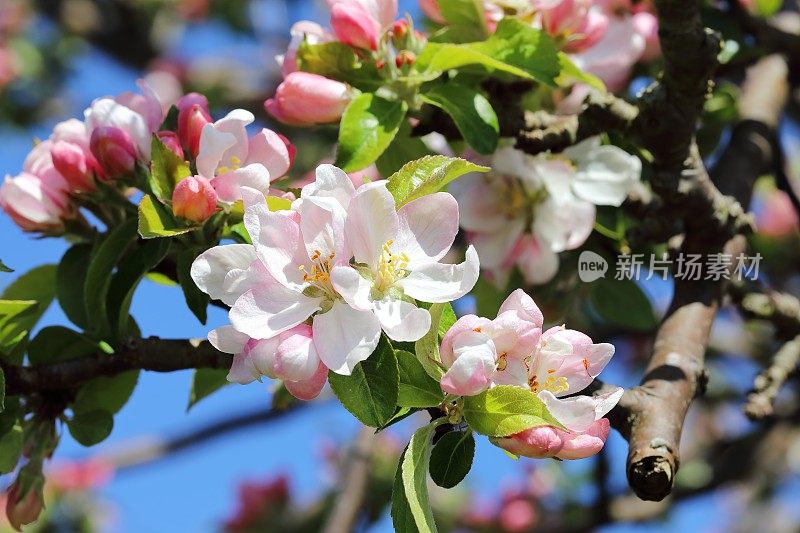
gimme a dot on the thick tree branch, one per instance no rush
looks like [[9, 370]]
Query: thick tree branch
[[158, 355]]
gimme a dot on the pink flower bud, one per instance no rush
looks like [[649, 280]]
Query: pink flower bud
[[34, 204], [114, 150], [646, 25], [549, 441], [304, 99], [192, 116], [194, 199], [76, 165], [171, 141], [353, 25], [24, 502], [432, 10]]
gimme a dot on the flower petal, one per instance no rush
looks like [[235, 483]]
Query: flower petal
[[270, 309], [213, 145], [227, 339], [228, 185], [352, 286], [210, 268], [331, 181], [523, 305], [564, 226], [401, 320], [586, 444], [322, 223], [495, 247], [578, 413], [310, 388], [267, 148], [371, 222], [428, 227], [345, 336], [439, 283]]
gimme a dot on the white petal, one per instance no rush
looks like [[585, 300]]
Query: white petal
[[270, 309], [371, 222], [428, 227], [333, 182], [537, 262], [523, 305], [439, 283], [228, 185], [345, 336], [479, 203], [322, 225], [210, 268], [242, 370], [401, 320], [353, 287], [494, 247], [564, 226], [213, 144], [227, 339], [107, 112], [579, 412]]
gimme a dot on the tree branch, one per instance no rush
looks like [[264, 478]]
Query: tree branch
[[769, 382], [158, 355], [353, 485]]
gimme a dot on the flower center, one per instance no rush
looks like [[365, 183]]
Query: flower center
[[553, 383], [391, 267], [235, 164], [319, 276]]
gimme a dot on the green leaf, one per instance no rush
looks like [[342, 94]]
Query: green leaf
[[155, 220], [124, 282], [505, 410], [71, 278], [2, 390], [370, 393], [4, 267], [58, 343], [403, 149], [414, 472], [447, 319], [466, 20], [427, 348], [767, 8], [417, 388], [205, 382], [400, 414], [166, 170], [622, 303], [428, 175], [10, 449], [196, 300], [471, 112], [98, 275], [37, 285], [571, 74], [91, 427], [451, 458], [515, 48], [402, 519], [14, 315], [338, 61], [108, 394], [10, 415], [368, 126]]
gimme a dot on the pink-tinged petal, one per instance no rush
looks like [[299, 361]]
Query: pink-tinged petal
[[585, 362], [107, 112], [310, 388], [495, 247], [514, 336], [262, 354], [537, 442], [646, 25], [194, 198], [463, 324], [479, 204], [402, 321], [475, 361], [428, 227], [514, 372], [227, 339], [580, 446], [235, 123], [371, 222], [296, 358], [331, 181], [345, 336], [613, 57], [564, 226], [322, 222], [432, 10], [440, 283], [352, 286], [523, 305], [72, 131], [276, 237], [213, 145], [577, 413], [267, 147], [242, 370], [537, 263], [210, 268], [270, 309], [304, 99], [228, 185]]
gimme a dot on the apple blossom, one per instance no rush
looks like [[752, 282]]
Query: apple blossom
[[578, 22], [114, 150], [289, 356], [530, 208], [25, 502], [194, 199], [72, 156], [304, 99], [230, 160], [382, 11], [353, 25], [193, 115], [397, 254], [612, 57], [432, 10], [512, 350], [34, 204]]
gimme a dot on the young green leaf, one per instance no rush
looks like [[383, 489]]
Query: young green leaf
[[414, 473], [622, 303], [14, 316], [205, 382], [91, 427], [400, 414], [402, 519], [156, 221], [108, 394], [447, 319], [428, 175], [403, 149], [166, 170], [70, 279], [505, 410], [58, 343], [417, 388], [10, 449], [570, 74], [37, 285], [2, 390], [471, 112], [4, 267], [368, 126], [451, 459], [427, 348], [370, 393], [98, 275], [466, 20], [338, 61], [196, 300]]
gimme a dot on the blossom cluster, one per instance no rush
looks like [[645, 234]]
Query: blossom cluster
[[515, 349], [324, 278]]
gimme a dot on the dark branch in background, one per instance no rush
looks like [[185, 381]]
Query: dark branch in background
[[158, 355], [769, 382], [780, 309]]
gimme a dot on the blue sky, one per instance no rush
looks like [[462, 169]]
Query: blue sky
[[195, 490]]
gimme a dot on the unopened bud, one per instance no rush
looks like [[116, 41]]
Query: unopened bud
[[194, 199]]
